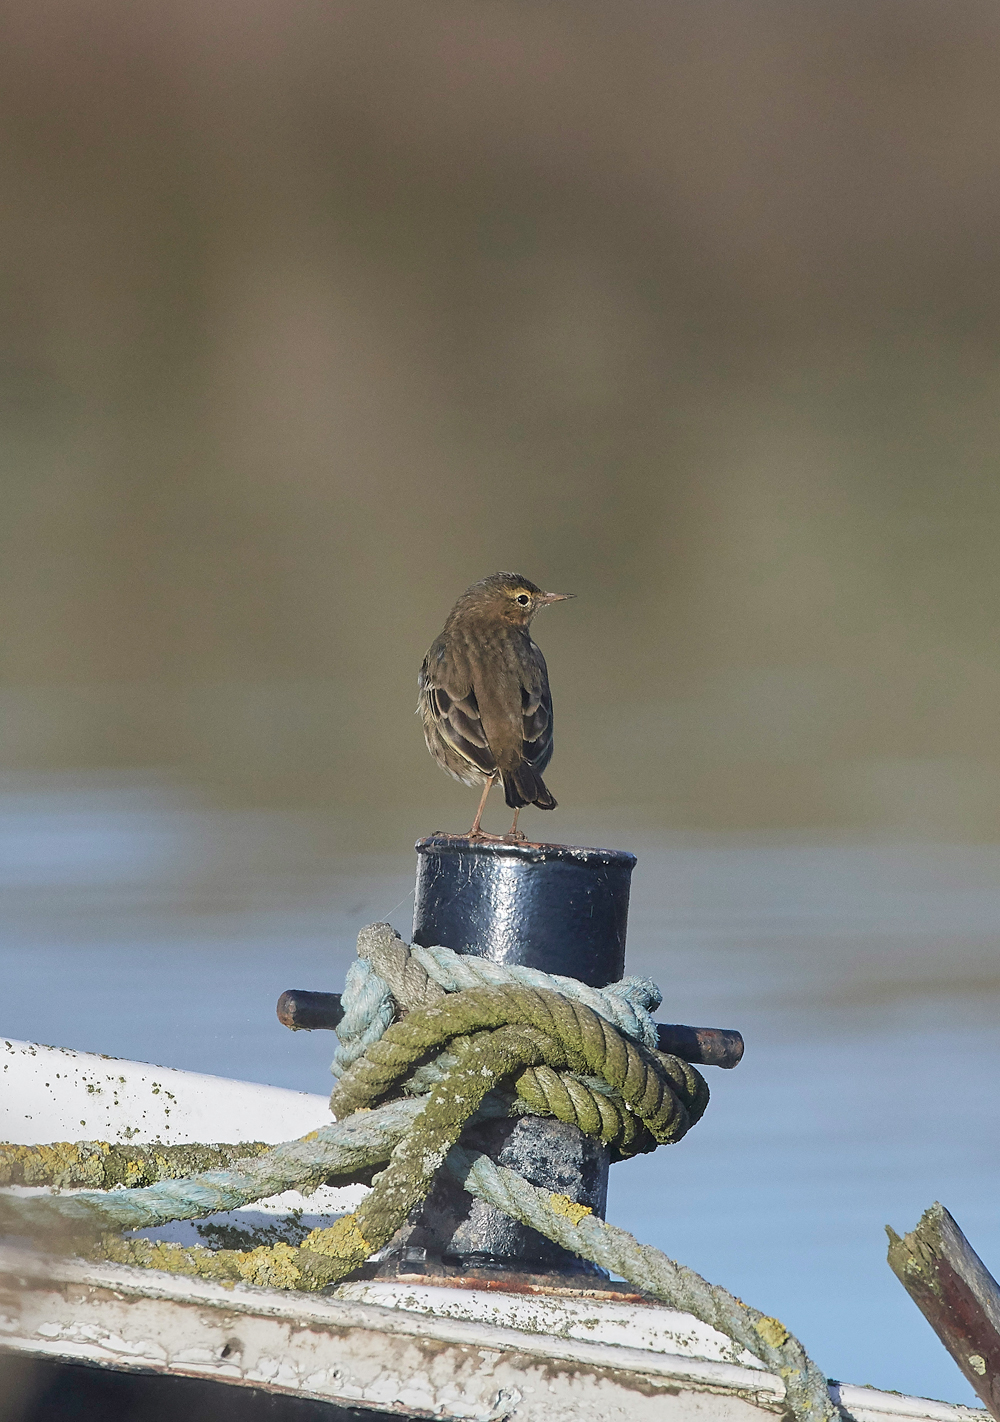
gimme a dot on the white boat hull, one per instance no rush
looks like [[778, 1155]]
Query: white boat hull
[[414, 1350]]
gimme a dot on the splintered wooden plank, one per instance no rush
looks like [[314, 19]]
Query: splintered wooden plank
[[956, 1293]]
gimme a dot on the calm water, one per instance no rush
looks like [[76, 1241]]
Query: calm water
[[865, 977]]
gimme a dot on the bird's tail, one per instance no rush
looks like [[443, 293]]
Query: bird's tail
[[525, 786]]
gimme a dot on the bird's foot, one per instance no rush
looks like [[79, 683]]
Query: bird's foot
[[481, 834], [515, 836]]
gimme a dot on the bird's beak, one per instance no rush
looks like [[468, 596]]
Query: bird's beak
[[546, 598]]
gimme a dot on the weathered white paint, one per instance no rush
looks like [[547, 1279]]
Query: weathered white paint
[[867, 1404], [394, 1359], [658, 1330], [55, 1094]]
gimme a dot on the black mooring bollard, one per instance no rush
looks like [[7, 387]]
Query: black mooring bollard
[[548, 906]]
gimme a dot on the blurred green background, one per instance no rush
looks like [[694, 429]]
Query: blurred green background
[[311, 314]]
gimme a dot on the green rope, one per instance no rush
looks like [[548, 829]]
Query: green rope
[[665, 1094], [466, 1051], [495, 1034], [577, 1229], [570, 1225]]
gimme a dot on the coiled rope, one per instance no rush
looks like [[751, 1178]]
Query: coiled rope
[[389, 975], [466, 1039]]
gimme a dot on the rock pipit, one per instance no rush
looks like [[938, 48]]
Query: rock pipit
[[484, 695]]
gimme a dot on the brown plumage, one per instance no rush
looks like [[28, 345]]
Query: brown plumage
[[484, 693]]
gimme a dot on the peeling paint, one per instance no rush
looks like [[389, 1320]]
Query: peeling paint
[[349, 1352]]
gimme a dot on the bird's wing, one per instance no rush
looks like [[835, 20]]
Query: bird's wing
[[536, 711], [449, 702]]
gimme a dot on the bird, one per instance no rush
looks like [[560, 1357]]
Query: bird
[[484, 695]]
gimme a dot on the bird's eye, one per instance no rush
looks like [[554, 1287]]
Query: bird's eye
[[523, 599]]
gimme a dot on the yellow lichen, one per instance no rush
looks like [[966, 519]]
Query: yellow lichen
[[270, 1267], [773, 1331], [342, 1240], [98, 1165], [171, 1258], [569, 1209], [61, 1163]]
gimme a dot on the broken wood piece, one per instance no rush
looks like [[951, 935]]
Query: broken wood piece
[[956, 1293]]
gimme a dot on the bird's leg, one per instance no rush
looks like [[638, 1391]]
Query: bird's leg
[[475, 832], [514, 832]]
